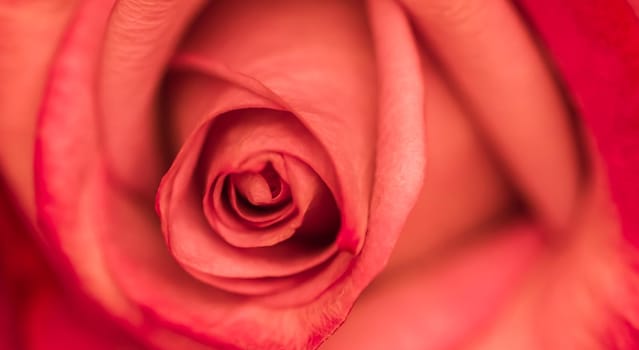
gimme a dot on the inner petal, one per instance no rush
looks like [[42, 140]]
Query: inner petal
[[246, 212], [250, 214], [265, 188], [253, 187]]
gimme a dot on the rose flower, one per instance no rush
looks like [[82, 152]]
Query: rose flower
[[318, 174]]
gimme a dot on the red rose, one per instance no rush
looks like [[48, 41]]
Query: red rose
[[235, 174]]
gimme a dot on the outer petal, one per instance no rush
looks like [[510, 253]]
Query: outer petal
[[35, 310], [597, 52], [25, 56], [596, 47], [18, 268], [67, 130], [437, 299], [514, 106], [52, 323], [7, 327]]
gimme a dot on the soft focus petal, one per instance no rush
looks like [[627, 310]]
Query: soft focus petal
[[451, 204], [30, 32], [597, 55], [68, 103], [7, 327], [487, 52], [439, 305], [35, 312], [67, 130], [51, 323]]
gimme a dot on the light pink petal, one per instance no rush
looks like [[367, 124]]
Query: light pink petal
[[200, 249], [237, 215], [400, 144]]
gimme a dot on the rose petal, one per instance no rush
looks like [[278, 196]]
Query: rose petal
[[53, 324], [24, 60], [235, 207], [68, 218], [141, 36], [63, 113], [400, 164], [187, 232], [439, 307], [7, 329], [305, 187], [596, 53], [268, 334], [451, 203]]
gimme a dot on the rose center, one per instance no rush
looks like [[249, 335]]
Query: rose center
[[258, 199], [261, 189]]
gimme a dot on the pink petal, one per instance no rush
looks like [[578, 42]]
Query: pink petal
[[439, 307], [596, 53], [25, 57], [139, 40], [66, 127], [451, 204], [516, 105], [305, 188], [400, 164], [53, 324]]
